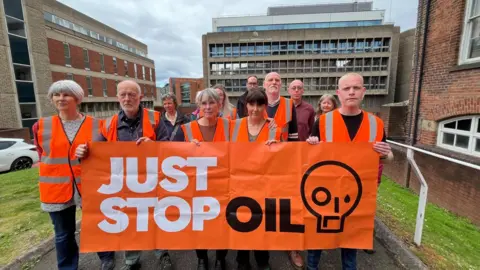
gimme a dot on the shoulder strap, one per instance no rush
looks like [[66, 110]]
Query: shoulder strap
[[174, 132]]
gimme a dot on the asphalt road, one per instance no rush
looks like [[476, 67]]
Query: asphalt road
[[187, 260]]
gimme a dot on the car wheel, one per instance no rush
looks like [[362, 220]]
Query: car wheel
[[21, 163]]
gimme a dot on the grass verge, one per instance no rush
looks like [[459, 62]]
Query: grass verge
[[448, 241], [23, 225]]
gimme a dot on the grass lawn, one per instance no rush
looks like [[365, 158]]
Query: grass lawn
[[448, 241], [23, 225]]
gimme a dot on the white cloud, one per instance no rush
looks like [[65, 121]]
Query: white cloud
[[173, 29]]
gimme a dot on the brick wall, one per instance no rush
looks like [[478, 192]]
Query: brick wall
[[82, 81], [57, 76], [76, 54], [447, 91], [195, 86], [112, 91], [139, 72], [94, 58], [56, 52], [97, 87], [147, 73], [153, 75], [131, 70], [121, 67], [108, 61]]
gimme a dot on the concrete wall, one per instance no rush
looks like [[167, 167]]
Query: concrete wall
[[405, 65]]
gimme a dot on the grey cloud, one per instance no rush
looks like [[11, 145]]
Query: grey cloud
[[173, 29]]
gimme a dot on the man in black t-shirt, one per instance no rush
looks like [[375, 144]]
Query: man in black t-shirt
[[350, 93]]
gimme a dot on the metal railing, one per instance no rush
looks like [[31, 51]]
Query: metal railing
[[422, 202]]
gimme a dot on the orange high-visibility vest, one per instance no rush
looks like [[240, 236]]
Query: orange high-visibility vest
[[333, 129], [231, 116], [283, 116], [192, 131], [239, 132], [150, 120], [59, 169]]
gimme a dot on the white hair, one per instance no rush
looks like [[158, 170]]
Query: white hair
[[68, 87], [210, 93], [139, 88]]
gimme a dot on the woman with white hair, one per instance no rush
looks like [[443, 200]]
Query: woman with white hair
[[57, 138], [209, 128]]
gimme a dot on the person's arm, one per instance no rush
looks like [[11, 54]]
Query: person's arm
[[388, 158], [316, 129], [311, 120], [239, 109], [161, 132], [293, 127], [35, 139]]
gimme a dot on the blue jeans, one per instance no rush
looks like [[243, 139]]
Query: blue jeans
[[65, 242], [349, 259]]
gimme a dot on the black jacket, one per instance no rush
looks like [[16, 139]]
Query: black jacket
[[241, 106], [181, 119]]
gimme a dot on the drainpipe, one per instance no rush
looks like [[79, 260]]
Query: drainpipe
[[413, 139]]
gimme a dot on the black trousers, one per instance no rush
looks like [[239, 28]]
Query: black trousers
[[261, 257], [203, 255]]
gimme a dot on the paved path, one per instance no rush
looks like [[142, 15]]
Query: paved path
[[186, 260]]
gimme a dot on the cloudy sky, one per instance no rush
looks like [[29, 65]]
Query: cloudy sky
[[173, 29]]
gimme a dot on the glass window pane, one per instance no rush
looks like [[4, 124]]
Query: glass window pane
[[28, 110], [464, 124], [477, 146], [25, 92], [475, 39], [13, 8], [450, 125], [19, 49], [448, 138], [475, 8], [22, 73], [462, 141], [29, 123], [16, 27], [478, 125]]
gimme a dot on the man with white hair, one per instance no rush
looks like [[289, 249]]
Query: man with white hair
[[138, 124]]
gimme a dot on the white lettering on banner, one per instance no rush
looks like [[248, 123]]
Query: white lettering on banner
[[197, 212]]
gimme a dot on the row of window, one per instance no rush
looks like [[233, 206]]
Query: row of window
[[147, 92], [21, 62], [333, 46], [86, 61], [310, 84], [292, 26], [83, 30], [108, 108], [301, 66]]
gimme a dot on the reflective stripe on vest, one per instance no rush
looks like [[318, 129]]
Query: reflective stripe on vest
[[226, 129], [288, 110], [236, 128], [151, 117], [188, 128], [58, 179], [108, 122], [329, 127], [272, 134]]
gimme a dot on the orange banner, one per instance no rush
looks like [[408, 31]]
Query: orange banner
[[173, 195]]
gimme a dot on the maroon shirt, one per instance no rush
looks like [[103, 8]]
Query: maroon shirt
[[305, 120]]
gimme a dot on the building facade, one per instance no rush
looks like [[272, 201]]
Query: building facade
[[316, 48], [444, 106], [185, 89], [46, 41]]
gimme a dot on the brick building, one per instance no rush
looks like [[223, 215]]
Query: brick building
[[46, 41], [185, 89], [444, 105]]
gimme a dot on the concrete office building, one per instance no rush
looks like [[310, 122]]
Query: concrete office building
[[46, 41], [317, 44]]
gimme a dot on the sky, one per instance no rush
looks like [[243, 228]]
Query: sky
[[173, 29]]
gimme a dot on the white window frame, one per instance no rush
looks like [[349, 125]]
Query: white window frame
[[86, 61], [115, 65], [143, 72], [89, 86], [135, 67], [472, 134], [466, 36], [102, 62], [69, 62], [125, 64], [104, 87]]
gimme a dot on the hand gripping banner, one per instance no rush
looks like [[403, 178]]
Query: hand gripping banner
[[173, 195]]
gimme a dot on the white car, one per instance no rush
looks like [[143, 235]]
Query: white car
[[16, 154]]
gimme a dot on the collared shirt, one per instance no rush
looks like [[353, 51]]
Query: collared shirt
[[305, 120], [131, 129]]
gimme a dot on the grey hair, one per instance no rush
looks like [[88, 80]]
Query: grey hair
[[210, 93], [170, 96], [68, 87]]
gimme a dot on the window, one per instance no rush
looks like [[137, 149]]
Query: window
[[6, 144], [15, 26], [102, 62], [19, 50], [25, 92], [125, 62], [143, 72], [69, 76], [89, 86], [115, 65], [66, 51], [28, 110], [470, 45], [151, 79], [13, 8], [86, 59], [22, 72], [104, 86], [135, 67], [185, 92], [461, 134]]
